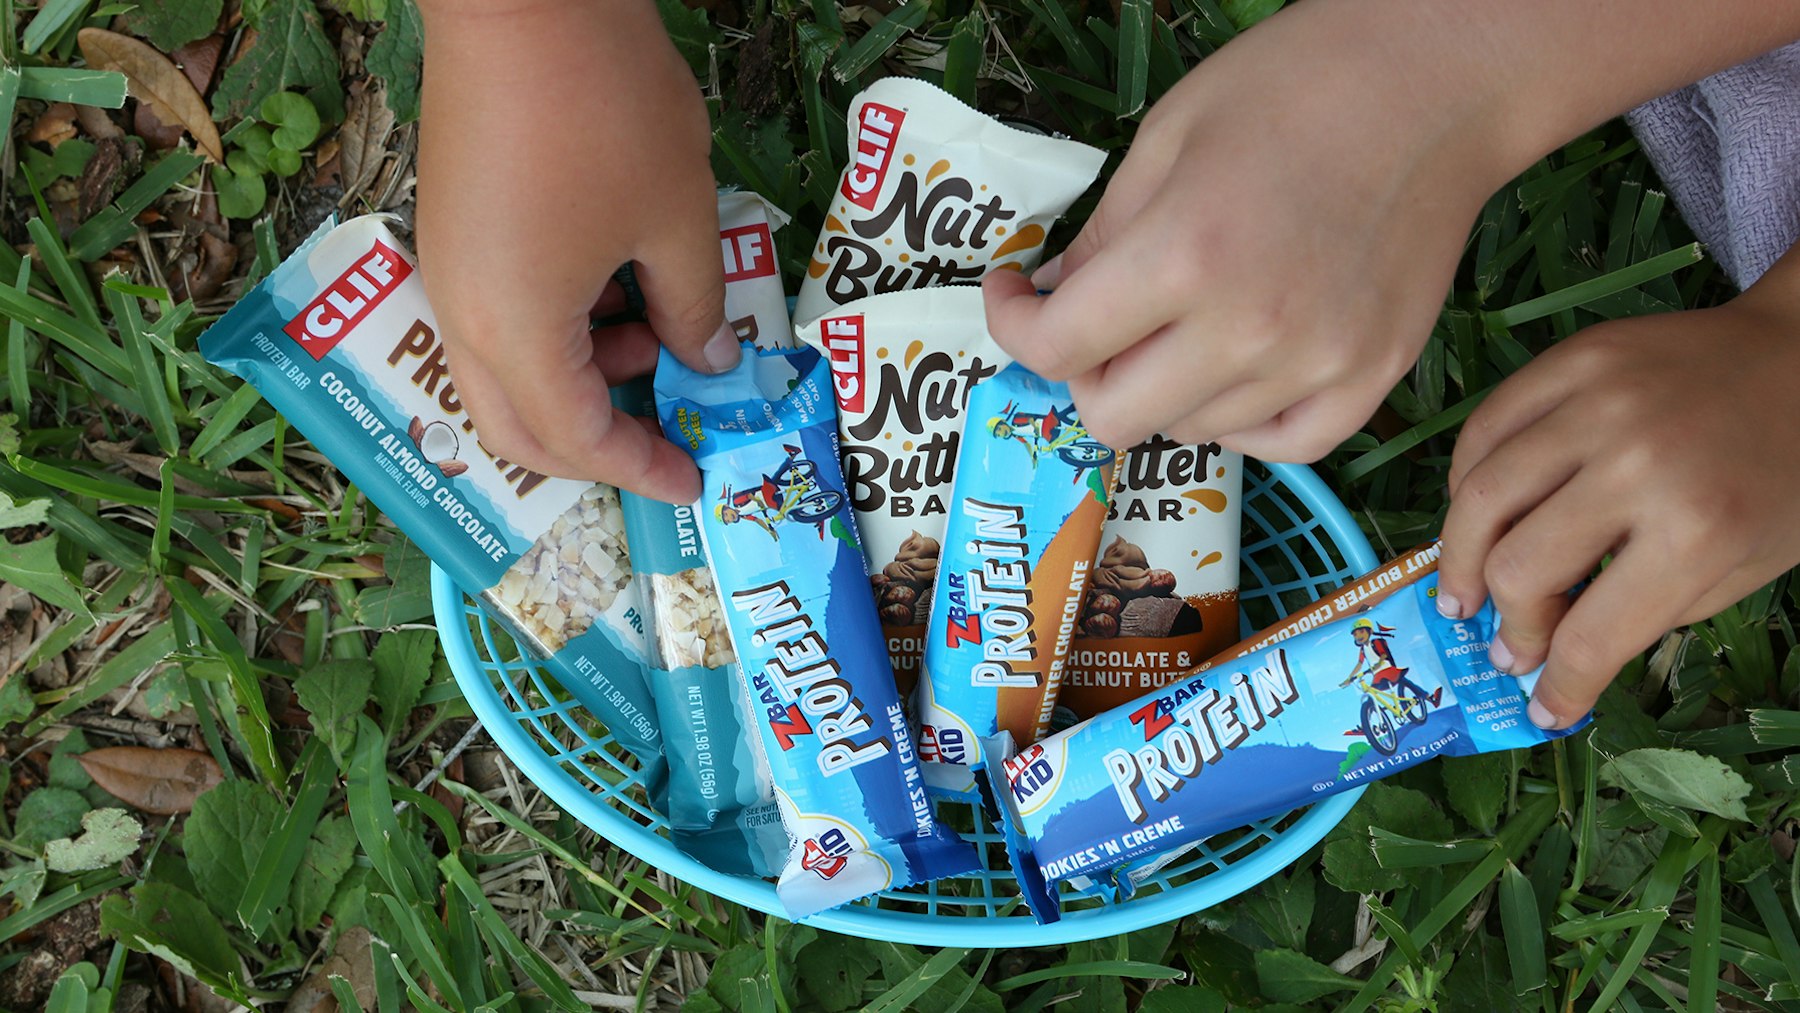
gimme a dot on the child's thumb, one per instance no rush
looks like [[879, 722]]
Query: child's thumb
[[683, 280]]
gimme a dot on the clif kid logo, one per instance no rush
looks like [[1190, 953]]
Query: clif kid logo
[[329, 318], [878, 127], [844, 346]]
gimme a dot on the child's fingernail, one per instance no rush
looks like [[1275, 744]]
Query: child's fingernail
[[722, 351], [1501, 655], [1049, 274], [1448, 606], [1540, 715]]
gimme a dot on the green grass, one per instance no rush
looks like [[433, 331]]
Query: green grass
[[224, 572]]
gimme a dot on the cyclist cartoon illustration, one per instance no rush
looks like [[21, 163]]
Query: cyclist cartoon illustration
[[1058, 430], [790, 492], [1391, 699]]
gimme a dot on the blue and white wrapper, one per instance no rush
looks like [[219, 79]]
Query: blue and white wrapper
[[341, 340], [1300, 716], [782, 543]]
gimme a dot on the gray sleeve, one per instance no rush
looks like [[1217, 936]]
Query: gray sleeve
[[1728, 149]]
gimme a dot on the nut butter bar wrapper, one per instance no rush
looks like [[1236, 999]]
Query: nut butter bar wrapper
[[781, 540], [936, 193], [340, 339], [1030, 497], [755, 303], [1164, 594], [721, 808], [902, 365], [1386, 684]]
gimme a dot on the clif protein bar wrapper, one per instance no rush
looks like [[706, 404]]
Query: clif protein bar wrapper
[[1030, 497], [755, 302], [782, 544], [720, 807], [936, 193], [1356, 698], [902, 365], [340, 339], [1164, 593]]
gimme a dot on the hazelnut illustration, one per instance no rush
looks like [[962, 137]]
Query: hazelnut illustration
[[899, 594], [1161, 583], [876, 580], [896, 614], [1105, 602], [1100, 625]]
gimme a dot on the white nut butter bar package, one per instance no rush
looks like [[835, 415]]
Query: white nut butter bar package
[[340, 339], [937, 193], [902, 364]]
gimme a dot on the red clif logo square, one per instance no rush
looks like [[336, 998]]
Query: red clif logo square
[[749, 252], [330, 317], [878, 127], [844, 346]]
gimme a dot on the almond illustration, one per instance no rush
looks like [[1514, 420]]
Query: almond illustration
[[453, 467], [416, 430]]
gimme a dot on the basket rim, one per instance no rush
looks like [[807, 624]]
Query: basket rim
[[450, 609]]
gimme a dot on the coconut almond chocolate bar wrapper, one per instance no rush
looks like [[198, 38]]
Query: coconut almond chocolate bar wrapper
[[340, 339], [781, 541], [1029, 499], [902, 366], [937, 193], [1302, 716]]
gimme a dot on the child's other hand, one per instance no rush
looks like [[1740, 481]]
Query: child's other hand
[[559, 141], [1667, 442], [1271, 254]]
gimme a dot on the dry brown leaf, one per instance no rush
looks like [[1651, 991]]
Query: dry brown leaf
[[362, 140], [351, 960], [54, 125], [161, 781], [154, 80]]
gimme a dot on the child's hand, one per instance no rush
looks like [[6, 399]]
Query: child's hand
[[1271, 254], [559, 141], [1667, 442]]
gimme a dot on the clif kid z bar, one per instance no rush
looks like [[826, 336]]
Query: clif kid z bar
[[1289, 722], [1030, 496], [782, 544]]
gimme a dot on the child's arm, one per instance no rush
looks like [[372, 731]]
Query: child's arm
[[1670, 442], [559, 140], [1274, 249]]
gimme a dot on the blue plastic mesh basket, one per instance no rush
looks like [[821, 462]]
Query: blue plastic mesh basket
[[1299, 542]]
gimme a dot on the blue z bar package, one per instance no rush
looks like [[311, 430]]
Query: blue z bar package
[[1027, 503], [340, 339], [1371, 682], [781, 540]]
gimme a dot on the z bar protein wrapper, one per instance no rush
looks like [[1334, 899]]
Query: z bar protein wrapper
[[1373, 683], [340, 339], [782, 544], [902, 365], [937, 193], [1031, 494], [1164, 594]]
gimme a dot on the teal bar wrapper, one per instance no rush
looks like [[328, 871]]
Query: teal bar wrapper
[[1297, 719], [341, 340], [721, 806]]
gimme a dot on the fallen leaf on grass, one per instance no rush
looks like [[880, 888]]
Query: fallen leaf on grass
[[107, 837], [351, 960], [161, 781], [54, 125], [154, 80], [362, 140]]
